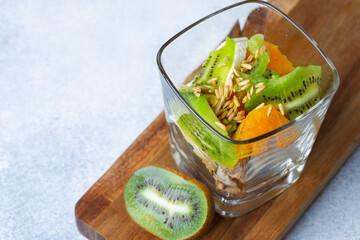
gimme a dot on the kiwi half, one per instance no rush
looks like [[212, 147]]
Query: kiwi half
[[168, 204], [221, 151], [297, 91]]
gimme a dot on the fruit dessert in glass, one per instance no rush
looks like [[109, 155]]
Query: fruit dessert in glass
[[245, 122]]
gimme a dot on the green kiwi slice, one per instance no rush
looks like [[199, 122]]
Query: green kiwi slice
[[259, 67], [168, 204], [297, 91], [255, 43], [202, 107], [200, 136], [259, 70], [221, 61]]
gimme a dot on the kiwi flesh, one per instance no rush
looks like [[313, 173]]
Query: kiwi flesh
[[297, 91], [268, 74], [218, 64], [168, 204], [259, 69], [254, 43], [221, 151]]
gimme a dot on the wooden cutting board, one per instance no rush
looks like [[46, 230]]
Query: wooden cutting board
[[335, 25]]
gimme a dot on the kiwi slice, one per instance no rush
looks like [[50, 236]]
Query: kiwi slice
[[219, 150], [221, 61], [222, 152], [259, 67], [297, 91], [259, 70], [202, 107], [168, 204], [256, 42]]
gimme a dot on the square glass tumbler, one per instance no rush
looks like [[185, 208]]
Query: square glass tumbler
[[267, 164]]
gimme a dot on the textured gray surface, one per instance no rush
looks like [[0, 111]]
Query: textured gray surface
[[79, 83]]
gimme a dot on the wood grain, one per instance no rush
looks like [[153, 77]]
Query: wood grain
[[335, 25]]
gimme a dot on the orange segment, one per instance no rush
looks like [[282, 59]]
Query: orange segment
[[278, 61], [257, 123]]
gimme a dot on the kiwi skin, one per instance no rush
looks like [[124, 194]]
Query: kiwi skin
[[209, 200]]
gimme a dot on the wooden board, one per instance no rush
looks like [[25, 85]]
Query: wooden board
[[335, 25]]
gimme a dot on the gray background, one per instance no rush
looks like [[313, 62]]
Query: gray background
[[79, 83]]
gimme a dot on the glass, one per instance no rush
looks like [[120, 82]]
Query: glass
[[268, 164]]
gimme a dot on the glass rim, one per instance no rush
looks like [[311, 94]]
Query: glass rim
[[277, 130]]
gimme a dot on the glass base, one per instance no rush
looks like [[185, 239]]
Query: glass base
[[233, 207]]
